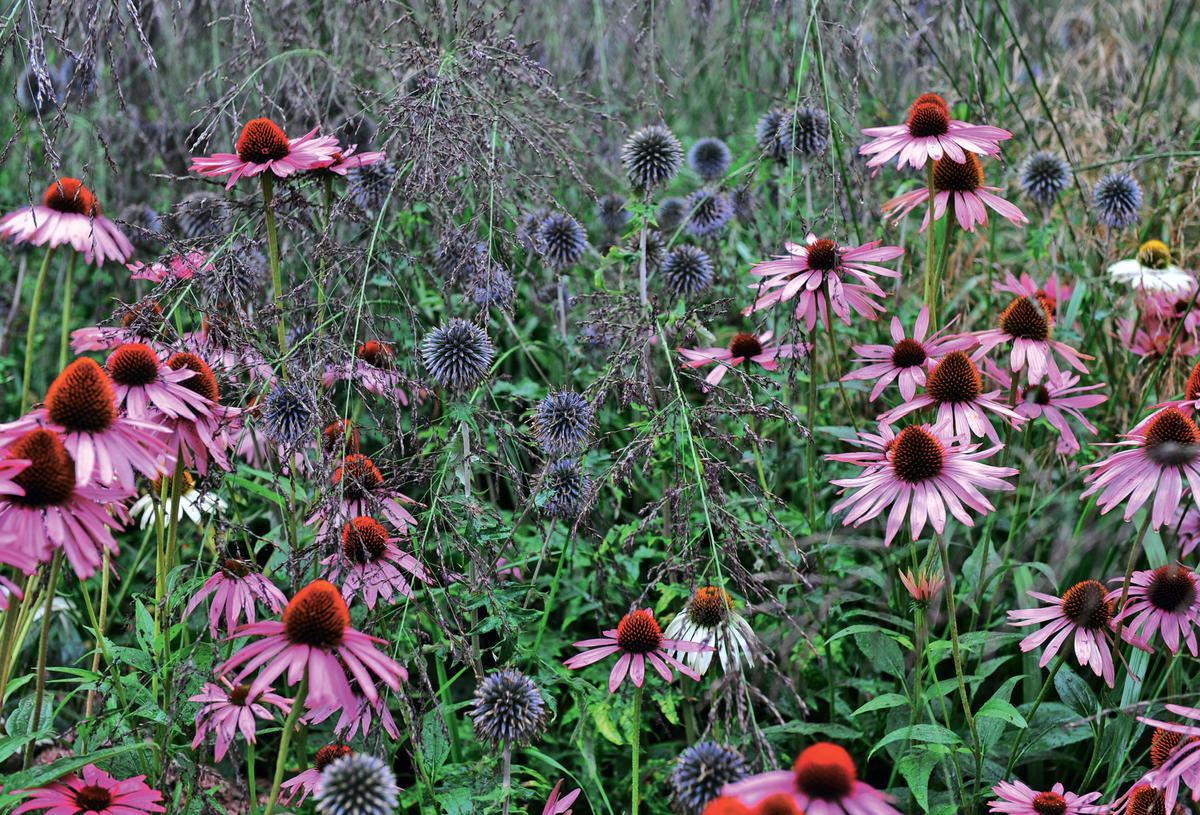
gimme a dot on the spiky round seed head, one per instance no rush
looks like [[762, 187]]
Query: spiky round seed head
[[456, 255], [709, 158], [201, 215], [1043, 177], [509, 709], [805, 132], [492, 288], [355, 128], [671, 214], [563, 240], [687, 271], [457, 354], [370, 185], [527, 230], [563, 422], [356, 784], [708, 212], [288, 413], [565, 483], [611, 211], [655, 248], [1117, 199], [766, 136], [143, 225], [700, 772], [37, 95], [651, 157]]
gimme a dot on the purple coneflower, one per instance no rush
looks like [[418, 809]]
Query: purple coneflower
[[227, 709], [97, 793], [360, 491], [560, 804], [957, 185], [68, 214], [207, 436], [1162, 600], [178, 267], [263, 146], [906, 361], [235, 589], [1054, 402], [930, 133], [1018, 798], [305, 782], [346, 159], [753, 347], [638, 639], [1027, 322], [1174, 754], [823, 781], [145, 386], [370, 564]]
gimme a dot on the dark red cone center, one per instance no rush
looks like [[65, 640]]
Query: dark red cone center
[[203, 383], [81, 398], [950, 176], [1085, 606], [1026, 318], [916, 455], [69, 195], [49, 480], [262, 141], [745, 345], [954, 380], [93, 798], [825, 771], [364, 540], [908, 353], [317, 616], [133, 364], [358, 477], [638, 632]]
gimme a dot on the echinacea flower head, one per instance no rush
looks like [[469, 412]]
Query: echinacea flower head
[[823, 781], [708, 212], [813, 272], [356, 784], [1174, 753], [1161, 452], [346, 159], [701, 771], [1117, 197], [509, 709], [562, 239], [709, 158], [1051, 293], [638, 640], [314, 636], [804, 132], [236, 588], [564, 483], [305, 782], [710, 618], [177, 267], [96, 793], [262, 146], [1027, 324], [1043, 177], [907, 359], [1152, 271], [559, 803], [1018, 798], [756, 348], [210, 435], [563, 422], [457, 354], [1144, 799], [957, 186], [360, 490], [930, 134], [922, 472], [145, 386], [370, 564], [651, 157], [922, 586], [1165, 601], [68, 214], [227, 709], [687, 271], [1053, 401]]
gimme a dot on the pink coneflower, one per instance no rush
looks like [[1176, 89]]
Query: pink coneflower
[[1027, 322], [235, 589], [144, 386], [1144, 799], [922, 586], [560, 804], [1174, 754], [921, 472], [312, 635], [1157, 331], [956, 388], [371, 370], [1052, 293], [638, 639], [97, 793], [208, 435], [345, 160], [1083, 613], [930, 133], [55, 512], [1186, 524], [360, 490], [906, 360], [262, 146], [815, 270], [823, 781], [359, 715], [227, 709], [140, 323], [957, 185], [1054, 402], [371, 564], [1166, 449], [756, 348], [68, 214], [306, 781], [1162, 600], [178, 267], [1018, 798]]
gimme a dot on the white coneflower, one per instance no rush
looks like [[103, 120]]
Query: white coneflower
[[193, 504], [710, 619], [356, 784], [1152, 271]]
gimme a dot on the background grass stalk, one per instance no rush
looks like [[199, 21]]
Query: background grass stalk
[[31, 332]]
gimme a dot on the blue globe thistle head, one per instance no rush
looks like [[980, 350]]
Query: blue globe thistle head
[[563, 240], [766, 136], [201, 215], [709, 158], [457, 354], [611, 211], [708, 212], [651, 157], [743, 201], [492, 288], [1043, 177], [288, 413], [671, 214], [356, 784], [804, 132], [563, 422], [527, 230], [458, 255], [143, 226], [370, 185], [687, 271], [1117, 199], [700, 773], [355, 128], [564, 484], [509, 709]]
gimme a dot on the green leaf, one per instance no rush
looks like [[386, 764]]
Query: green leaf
[[881, 702], [999, 709], [919, 733], [916, 767], [602, 716], [883, 651], [39, 776], [435, 747], [1075, 692]]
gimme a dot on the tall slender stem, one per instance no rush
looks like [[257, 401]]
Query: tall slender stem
[[637, 747], [1133, 557], [251, 784], [1016, 748], [43, 646], [100, 624], [929, 293], [642, 267], [837, 364], [273, 250], [284, 739], [506, 777], [32, 330], [326, 210], [66, 312]]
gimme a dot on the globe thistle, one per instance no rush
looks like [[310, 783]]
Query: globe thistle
[[1043, 177], [654, 247], [356, 784], [563, 422], [671, 214], [287, 413], [766, 136], [370, 185], [1117, 198], [651, 157], [491, 288], [455, 256], [457, 354], [355, 128], [563, 240], [708, 212], [509, 709], [687, 271], [201, 215], [564, 484], [38, 91], [527, 230], [805, 132], [709, 158], [701, 771], [143, 226], [611, 211]]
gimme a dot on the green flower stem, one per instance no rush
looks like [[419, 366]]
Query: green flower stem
[[250, 782], [32, 330], [66, 312], [837, 363], [958, 666], [98, 625], [285, 738], [43, 644], [642, 272], [637, 747], [1016, 748], [273, 249], [929, 295]]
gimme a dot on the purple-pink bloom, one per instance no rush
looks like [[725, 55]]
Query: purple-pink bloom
[[345, 160], [823, 781], [68, 214], [263, 146], [97, 793], [752, 347], [235, 590], [1018, 798], [638, 639], [1175, 754], [930, 133], [957, 186], [906, 360], [1164, 601], [360, 490], [177, 267], [227, 709], [369, 563], [1027, 322], [560, 805], [145, 387], [1054, 402], [305, 782]]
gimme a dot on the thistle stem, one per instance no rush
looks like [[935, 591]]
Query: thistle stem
[[43, 647], [66, 312], [32, 330], [506, 777], [285, 738], [273, 250]]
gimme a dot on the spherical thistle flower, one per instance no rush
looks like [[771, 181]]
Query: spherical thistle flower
[[823, 781], [356, 784], [370, 185], [354, 128], [1018, 798], [611, 211], [1152, 271], [1043, 177], [651, 157], [236, 589], [492, 288], [766, 136], [288, 413], [929, 134], [144, 227], [527, 229], [509, 709], [687, 271], [701, 771], [457, 354], [806, 132], [201, 215], [563, 422], [710, 618], [708, 212], [709, 158], [305, 782], [562, 239], [957, 186], [907, 360], [1117, 198], [671, 214], [68, 213], [96, 793], [263, 146], [564, 484], [1163, 600], [638, 639]]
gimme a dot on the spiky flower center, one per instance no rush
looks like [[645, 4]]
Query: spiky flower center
[[931, 99], [916, 455], [1085, 606], [239, 695], [69, 195], [92, 798], [162, 484], [1026, 318], [375, 353], [1192, 390], [1172, 589], [1145, 800], [317, 616], [49, 480], [329, 754], [745, 346], [235, 568], [779, 803], [822, 255], [638, 632], [133, 364], [143, 318], [1154, 255], [1049, 803], [339, 433], [364, 540], [81, 398], [950, 176], [1171, 438], [908, 353], [954, 380], [1162, 742], [928, 119], [358, 477], [262, 141], [203, 383], [825, 771], [1036, 395], [708, 606]]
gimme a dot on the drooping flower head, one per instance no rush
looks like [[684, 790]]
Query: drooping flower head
[[564, 483], [1018, 798], [1163, 600], [96, 793], [370, 564], [687, 271], [227, 709], [346, 159], [1117, 197], [823, 781], [709, 158], [906, 361], [356, 784], [1043, 177], [710, 618], [563, 422], [701, 771], [755, 348], [236, 589], [957, 185], [638, 639], [68, 214], [651, 157], [1151, 270], [559, 803], [509, 709], [208, 436], [457, 354], [263, 146], [766, 136], [930, 134]]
